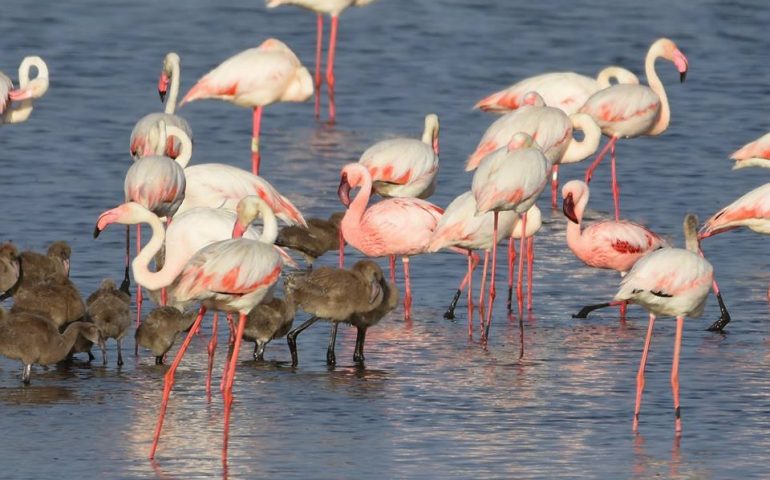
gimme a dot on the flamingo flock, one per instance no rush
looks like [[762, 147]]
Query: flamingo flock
[[208, 255]]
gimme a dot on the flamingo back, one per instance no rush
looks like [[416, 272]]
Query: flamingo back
[[566, 91], [624, 110], [614, 245], [459, 226], [157, 183], [402, 167], [510, 180]]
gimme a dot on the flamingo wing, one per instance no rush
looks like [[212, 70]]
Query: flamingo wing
[[384, 225], [622, 103], [751, 210], [564, 90], [399, 161]]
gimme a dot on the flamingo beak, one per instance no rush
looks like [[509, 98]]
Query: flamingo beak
[[681, 64], [238, 230], [163, 86], [106, 218], [568, 207], [343, 191]]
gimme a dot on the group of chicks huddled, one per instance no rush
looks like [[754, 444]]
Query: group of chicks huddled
[[49, 322]]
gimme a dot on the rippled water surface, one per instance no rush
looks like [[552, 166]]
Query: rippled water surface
[[550, 397]]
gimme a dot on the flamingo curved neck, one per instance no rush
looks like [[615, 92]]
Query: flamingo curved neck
[[174, 88], [577, 150], [355, 213], [142, 274], [619, 74], [664, 115], [185, 147], [269, 224], [21, 112]]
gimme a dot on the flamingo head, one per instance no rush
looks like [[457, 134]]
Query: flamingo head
[[129, 213], [170, 62], [572, 192], [372, 272], [61, 252], [247, 210], [532, 99], [163, 86], [520, 140], [667, 49], [430, 133], [352, 176]]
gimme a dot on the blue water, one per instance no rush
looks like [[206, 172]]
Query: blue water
[[431, 403]]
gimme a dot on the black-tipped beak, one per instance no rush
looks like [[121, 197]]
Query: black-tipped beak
[[343, 191], [162, 94], [682, 76], [96, 231], [568, 207]]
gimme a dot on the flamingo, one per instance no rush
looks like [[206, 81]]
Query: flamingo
[[511, 178], [612, 245], [394, 226], [550, 127], [668, 281], [29, 89], [534, 223], [333, 8], [255, 78], [753, 154], [629, 111], [566, 91], [144, 138], [461, 227], [404, 167], [231, 275]]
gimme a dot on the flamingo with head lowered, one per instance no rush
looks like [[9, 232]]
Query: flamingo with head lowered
[[29, 90], [627, 111]]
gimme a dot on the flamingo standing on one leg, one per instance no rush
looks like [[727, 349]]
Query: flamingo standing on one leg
[[404, 167], [394, 226], [460, 227], [534, 223], [668, 281], [609, 244], [753, 154], [509, 179], [144, 138], [29, 90], [231, 275], [255, 78], [333, 8], [627, 111], [567, 91]]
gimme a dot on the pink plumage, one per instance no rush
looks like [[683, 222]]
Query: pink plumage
[[753, 154], [751, 210]]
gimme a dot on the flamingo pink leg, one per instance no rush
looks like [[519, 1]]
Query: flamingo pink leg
[[640, 374], [471, 267], [554, 186], [408, 289], [168, 382], [530, 266], [511, 261], [228, 393], [139, 298], [255, 157], [481, 293], [319, 39], [211, 348], [675, 373], [330, 68], [520, 280], [230, 340], [598, 160], [623, 310], [485, 332], [615, 188], [392, 260]]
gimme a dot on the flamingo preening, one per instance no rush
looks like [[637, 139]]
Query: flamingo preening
[[29, 90]]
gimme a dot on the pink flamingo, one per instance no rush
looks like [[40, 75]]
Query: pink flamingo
[[613, 245], [29, 90], [668, 281], [144, 138], [158, 184], [509, 179], [394, 226], [333, 8], [230, 275], [534, 223], [460, 227], [566, 91], [404, 167], [753, 154], [633, 110], [255, 78], [550, 127]]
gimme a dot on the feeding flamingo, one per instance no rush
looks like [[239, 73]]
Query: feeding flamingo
[[753, 154], [567, 91], [333, 8], [668, 281], [231, 275], [627, 111], [511, 178], [255, 78], [29, 89], [394, 226], [550, 127], [144, 138], [459, 226]]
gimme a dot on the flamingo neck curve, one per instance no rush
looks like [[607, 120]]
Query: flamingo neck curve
[[664, 115], [174, 88], [577, 150]]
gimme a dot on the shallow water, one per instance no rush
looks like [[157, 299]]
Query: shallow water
[[431, 403]]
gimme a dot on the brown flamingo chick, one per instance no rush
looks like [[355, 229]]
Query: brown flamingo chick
[[56, 298], [10, 269], [319, 237], [37, 267], [268, 321], [334, 294], [362, 321], [159, 330], [108, 309], [33, 339]]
